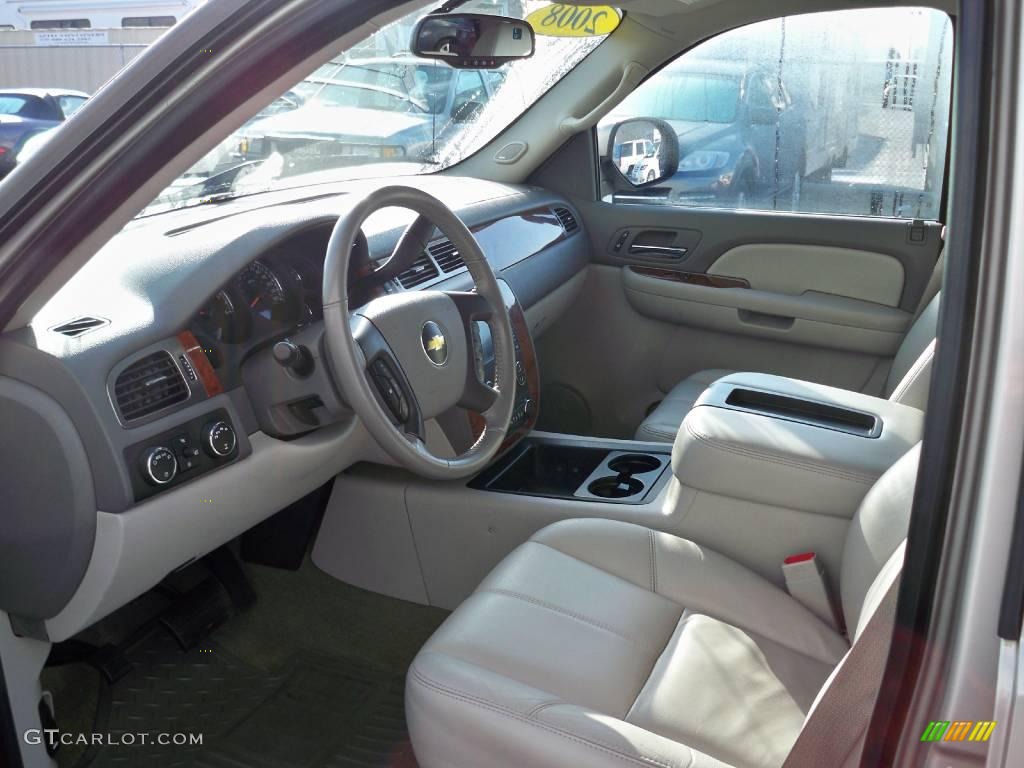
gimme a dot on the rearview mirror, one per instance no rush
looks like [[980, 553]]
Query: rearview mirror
[[642, 152], [473, 40]]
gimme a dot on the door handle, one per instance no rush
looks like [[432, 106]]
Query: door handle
[[658, 251]]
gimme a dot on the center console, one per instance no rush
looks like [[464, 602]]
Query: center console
[[792, 444]]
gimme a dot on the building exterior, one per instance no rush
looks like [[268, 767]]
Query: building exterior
[[92, 14]]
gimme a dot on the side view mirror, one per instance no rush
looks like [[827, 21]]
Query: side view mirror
[[651, 168], [473, 40]]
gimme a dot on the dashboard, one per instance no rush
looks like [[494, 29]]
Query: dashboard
[[149, 381]]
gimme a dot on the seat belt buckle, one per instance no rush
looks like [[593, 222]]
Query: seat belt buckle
[[805, 582]]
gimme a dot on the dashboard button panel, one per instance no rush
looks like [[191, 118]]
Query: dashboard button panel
[[179, 455]]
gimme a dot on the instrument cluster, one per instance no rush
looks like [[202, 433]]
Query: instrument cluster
[[270, 294]]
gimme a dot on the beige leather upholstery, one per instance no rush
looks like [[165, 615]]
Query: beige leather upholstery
[[911, 371], [783, 462], [601, 643], [907, 382]]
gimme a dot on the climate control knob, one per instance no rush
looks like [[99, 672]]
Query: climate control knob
[[159, 465], [219, 439]]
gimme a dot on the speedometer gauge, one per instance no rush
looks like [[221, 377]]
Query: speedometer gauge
[[264, 294]]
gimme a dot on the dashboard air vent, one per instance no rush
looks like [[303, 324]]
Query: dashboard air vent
[[567, 219], [419, 272], [149, 385], [446, 256], [78, 326]]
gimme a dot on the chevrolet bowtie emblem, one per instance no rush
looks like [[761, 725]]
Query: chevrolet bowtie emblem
[[434, 343]]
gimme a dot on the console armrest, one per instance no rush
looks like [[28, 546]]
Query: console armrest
[[790, 443]]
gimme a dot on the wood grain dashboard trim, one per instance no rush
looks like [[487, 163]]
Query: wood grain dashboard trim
[[691, 278], [201, 363]]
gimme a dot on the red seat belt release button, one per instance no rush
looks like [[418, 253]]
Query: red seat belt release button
[[805, 582], [799, 558]]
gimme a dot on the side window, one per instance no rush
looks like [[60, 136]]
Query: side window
[[845, 112]]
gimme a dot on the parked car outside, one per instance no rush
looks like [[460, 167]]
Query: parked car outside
[[397, 108], [27, 111]]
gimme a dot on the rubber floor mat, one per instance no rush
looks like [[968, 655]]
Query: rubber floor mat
[[315, 712]]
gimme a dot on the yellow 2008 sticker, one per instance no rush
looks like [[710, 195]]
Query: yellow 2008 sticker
[[560, 20]]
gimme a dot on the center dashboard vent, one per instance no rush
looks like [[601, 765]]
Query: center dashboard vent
[[419, 272], [149, 385], [446, 255], [567, 219]]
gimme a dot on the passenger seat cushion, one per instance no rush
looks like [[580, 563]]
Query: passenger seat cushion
[[662, 424], [594, 639]]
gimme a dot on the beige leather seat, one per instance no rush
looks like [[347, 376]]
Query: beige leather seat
[[602, 643], [907, 382]]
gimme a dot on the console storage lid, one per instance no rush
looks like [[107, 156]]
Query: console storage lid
[[790, 443]]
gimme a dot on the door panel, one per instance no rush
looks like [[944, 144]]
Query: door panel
[[711, 234], [798, 269], [811, 318]]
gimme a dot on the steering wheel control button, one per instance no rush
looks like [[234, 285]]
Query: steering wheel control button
[[219, 439], [159, 465], [390, 391], [434, 343]]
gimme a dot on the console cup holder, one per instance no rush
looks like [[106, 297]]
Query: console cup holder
[[619, 487], [634, 464], [570, 468]]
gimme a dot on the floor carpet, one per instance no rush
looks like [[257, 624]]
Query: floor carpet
[[311, 677]]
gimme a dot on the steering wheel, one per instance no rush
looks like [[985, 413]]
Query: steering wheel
[[407, 357]]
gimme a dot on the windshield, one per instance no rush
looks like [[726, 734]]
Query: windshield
[[688, 96], [377, 110]]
